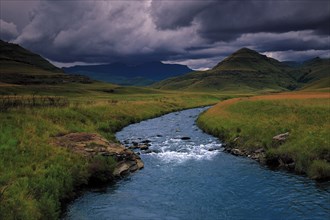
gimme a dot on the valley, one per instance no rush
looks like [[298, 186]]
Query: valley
[[255, 98]]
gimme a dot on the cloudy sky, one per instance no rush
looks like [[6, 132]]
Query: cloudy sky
[[198, 33]]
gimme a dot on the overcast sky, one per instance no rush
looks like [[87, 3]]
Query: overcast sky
[[198, 33]]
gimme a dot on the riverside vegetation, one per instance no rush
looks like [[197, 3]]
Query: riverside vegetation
[[249, 125], [38, 102], [37, 176]]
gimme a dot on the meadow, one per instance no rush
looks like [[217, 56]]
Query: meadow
[[251, 123], [38, 177]]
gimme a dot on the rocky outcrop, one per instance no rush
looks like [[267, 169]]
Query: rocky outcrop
[[91, 145], [258, 155], [273, 161]]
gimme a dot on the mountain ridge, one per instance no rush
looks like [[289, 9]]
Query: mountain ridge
[[130, 74]]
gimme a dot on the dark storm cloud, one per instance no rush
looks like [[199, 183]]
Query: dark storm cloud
[[293, 40], [227, 20], [198, 33], [176, 14], [101, 31], [259, 16], [8, 31]]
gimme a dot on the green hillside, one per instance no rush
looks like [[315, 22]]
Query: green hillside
[[23, 67], [245, 70], [15, 55], [320, 85], [314, 70], [249, 60]]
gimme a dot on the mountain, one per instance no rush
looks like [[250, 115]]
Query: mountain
[[244, 70], [15, 55], [314, 69], [126, 74], [293, 64], [21, 66]]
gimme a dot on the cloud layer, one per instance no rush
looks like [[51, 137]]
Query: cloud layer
[[8, 30], [198, 33]]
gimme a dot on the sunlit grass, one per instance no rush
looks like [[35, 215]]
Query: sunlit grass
[[256, 120]]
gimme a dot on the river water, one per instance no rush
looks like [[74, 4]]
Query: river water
[[194, 179]]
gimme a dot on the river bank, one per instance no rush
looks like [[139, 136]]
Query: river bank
[[287, 131], [36, 175], [188, 176]]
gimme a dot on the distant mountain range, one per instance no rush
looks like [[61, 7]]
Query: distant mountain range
[[129, 74], [247, 70]]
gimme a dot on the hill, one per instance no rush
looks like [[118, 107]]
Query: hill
[[244, 70], [126, 74], [21, 66], [15, 55], [314, 70]]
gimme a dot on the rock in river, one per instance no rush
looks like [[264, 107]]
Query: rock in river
[[90, 145]]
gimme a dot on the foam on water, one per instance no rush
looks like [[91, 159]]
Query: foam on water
[[188, 152], [175, 150], [180, 157], [166, 134], [192, 179]]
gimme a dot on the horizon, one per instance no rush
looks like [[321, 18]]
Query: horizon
[[198, 34]]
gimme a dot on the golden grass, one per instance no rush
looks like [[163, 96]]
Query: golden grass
[[255, 120]]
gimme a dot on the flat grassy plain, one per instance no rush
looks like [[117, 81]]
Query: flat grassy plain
[[251, 123], [35, 175]]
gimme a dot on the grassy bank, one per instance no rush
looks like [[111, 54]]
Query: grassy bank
[[35, 175], [251, 123]]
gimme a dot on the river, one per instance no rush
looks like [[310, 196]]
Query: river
[[193, 179]]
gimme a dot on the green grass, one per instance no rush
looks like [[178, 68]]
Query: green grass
[[35, 175], [256, 121], [314, 70], [319, 85], [243, 71]]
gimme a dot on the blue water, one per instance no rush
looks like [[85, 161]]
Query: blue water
[[184, 180]]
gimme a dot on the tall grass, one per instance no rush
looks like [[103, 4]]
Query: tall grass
[[35, 175], [256, 121], [15, 101]]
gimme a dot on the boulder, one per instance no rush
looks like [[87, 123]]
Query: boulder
[[237, 152], [143, 147], [146, 141], [149, 151], [281, 137], [260, 150], [121, 169], [91, 145]]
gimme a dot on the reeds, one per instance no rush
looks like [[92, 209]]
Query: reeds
[[33, 101]]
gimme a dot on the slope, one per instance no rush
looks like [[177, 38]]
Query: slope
[[21, 66], [245, 70], [314, 69]]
